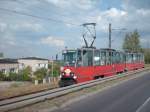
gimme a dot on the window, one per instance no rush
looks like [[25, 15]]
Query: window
[[79, 58], [113, 58], [12, 70], [103, 58], [3, 71], [130, 58], [96, 57], [69, 57], [134, 57], [87, 57], [118, 57]]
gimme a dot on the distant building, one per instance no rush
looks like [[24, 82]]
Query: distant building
[[33, 62], [9, 65]]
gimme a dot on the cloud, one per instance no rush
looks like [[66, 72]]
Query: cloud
[[78, 4], [27, 26], [53, 41], [143, 12], [22, 32], [3, 27], [136, 4], [114, 12]]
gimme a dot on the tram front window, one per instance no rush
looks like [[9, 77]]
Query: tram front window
[[69, 58]]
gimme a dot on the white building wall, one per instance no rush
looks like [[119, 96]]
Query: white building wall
[[6, 68], [34, 64]]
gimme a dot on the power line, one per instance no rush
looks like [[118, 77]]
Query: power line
[[35, 16], [38, 7]]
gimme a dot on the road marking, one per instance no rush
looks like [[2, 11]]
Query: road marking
[[143, 105]]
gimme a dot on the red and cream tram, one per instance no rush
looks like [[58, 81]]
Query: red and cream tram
[[87, 64]]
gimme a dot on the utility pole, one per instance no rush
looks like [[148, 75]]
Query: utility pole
[[110, 33], [52, 67], [109, 36]]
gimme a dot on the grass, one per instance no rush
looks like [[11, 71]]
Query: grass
[[16, 90], [147, 65]]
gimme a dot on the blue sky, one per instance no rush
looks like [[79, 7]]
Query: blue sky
[[22, 36]]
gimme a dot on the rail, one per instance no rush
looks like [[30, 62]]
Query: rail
[[18, 102]]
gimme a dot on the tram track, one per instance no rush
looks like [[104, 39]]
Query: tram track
[[21, 101]]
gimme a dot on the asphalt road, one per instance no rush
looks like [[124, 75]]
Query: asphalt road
[[130, 96]]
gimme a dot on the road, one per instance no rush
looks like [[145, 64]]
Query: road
[[130, 96]]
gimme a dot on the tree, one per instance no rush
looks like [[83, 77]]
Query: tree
[[56, 68], [2, 76], [147, 55], [26, 71], [40, 73], [132, 42], [25, 74]]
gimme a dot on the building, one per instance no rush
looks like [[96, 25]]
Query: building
[[9, 65], [33, 62]]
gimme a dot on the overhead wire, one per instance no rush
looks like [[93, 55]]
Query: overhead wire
[[35, 16]]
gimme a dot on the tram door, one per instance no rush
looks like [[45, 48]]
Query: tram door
[[85, 70]]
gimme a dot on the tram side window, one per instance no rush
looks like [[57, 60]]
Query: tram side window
[[118, 58], [113, 58], [79, 58], [103, 58], [87, 58], [141, 57], [130, 58], [96, 58], [108, 58], [134, 57], [138, 57], [122, 57]]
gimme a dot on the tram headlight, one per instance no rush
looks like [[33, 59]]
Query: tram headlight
[[74, 77], [71, 74]]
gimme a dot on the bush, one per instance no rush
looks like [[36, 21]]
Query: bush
[[56, 68], [19, 77], [13, 76], [147, 56], [40, 73], [2, 75], [23, 75]]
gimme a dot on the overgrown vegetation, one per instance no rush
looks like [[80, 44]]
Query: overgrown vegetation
[[147, 55], [56, 68], [23, 75], [27, 75], [132, 42], [40, 74]]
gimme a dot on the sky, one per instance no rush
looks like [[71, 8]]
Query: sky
[[57, 24]]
